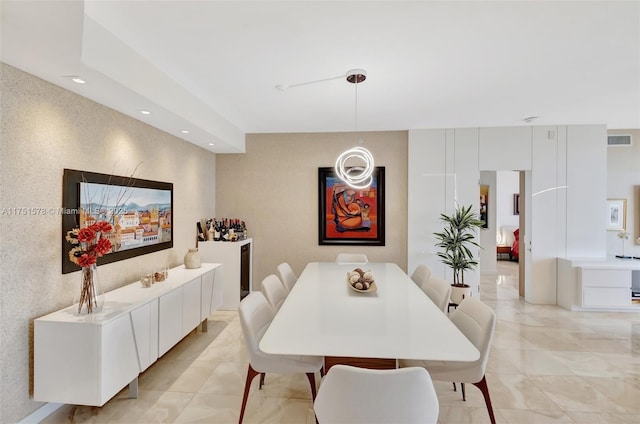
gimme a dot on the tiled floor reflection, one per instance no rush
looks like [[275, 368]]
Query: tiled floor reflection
[[547, 365]]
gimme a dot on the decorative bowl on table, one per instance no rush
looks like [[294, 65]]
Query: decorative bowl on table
[[361, 281]]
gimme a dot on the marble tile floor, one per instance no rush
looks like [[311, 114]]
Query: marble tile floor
[[547, 365]]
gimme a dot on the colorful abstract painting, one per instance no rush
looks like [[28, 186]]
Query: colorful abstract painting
[[348, 215]]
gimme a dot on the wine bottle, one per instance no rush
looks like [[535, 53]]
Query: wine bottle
[[225, 230], [200, 232], [232, 229], [210, 230], [216, 231]]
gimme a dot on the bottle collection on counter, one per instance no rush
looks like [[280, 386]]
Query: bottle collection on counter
[[223, 229]]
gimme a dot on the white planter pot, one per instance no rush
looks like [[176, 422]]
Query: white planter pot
[[458, 294]]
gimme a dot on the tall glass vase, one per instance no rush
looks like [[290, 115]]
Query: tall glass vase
[[91, 297]]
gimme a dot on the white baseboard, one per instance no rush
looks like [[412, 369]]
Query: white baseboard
[[41, 413]]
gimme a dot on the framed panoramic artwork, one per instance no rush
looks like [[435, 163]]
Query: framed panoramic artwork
[[347, 215], [139, 212], [516, 204], [616, 214]]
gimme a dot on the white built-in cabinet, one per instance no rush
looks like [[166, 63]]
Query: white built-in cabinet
[[86, 360], [236, 258], [596, 284], [145, 331], [170, 328], [606, 287]]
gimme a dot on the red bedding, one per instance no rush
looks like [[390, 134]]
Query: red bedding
[[515, 248]]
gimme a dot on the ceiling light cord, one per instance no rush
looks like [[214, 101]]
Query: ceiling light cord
[[355, 118]]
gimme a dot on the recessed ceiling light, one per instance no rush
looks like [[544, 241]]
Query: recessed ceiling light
[[78, 80], [184, 131], [145, 112], [211, 144]]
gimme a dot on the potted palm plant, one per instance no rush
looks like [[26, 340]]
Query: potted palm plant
[[455, 242]]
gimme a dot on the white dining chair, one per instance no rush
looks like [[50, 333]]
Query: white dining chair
[[477, 322], [255, 316], [286, 275], [274, 291], [438, 290], [352, 258], [421, 274], [357, 395]]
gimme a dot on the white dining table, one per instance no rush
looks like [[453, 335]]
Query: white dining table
[[323, 316]]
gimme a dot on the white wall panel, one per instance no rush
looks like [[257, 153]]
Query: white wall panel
[[468, 184], [544, 206], [587, 190], [451, 195], [505, 149], [466, 167], [451, 183], [561, 194], [426, 196]]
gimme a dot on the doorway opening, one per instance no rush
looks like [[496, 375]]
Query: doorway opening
[[502, 239]]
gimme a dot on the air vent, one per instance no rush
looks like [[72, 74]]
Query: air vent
[[619, 140]]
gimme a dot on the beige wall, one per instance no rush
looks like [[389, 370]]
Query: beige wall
[[44, 130], [274, 187]]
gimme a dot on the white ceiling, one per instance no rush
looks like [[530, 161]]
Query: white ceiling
[[211, 67]]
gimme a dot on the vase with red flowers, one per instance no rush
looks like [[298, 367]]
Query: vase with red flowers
[[89, 244]]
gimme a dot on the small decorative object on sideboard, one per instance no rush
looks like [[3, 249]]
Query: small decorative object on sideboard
[[162, 274], [624, 236], [192, 259], [146, 280], [361, 281]]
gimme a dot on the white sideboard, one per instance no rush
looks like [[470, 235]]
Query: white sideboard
[[87, 359], [594, 284], [230, 254]]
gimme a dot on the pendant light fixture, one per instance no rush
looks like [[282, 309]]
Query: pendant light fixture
[[358, 176]]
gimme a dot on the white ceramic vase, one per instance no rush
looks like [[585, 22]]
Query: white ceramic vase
[[192, 259]]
